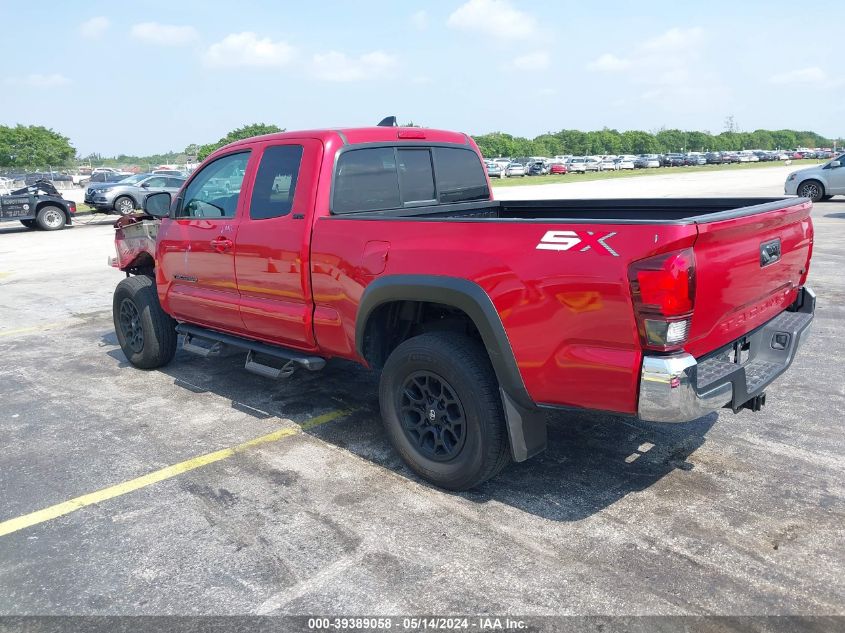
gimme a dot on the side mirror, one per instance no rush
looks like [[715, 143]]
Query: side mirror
[[158, 204], [834, 164], [145, 185]]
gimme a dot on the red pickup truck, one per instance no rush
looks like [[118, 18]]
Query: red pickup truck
[[384, 245]]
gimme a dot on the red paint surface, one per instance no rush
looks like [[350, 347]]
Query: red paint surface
[[568, 314]]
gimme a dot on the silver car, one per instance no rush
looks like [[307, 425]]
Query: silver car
[[125, 196], [819, 182]]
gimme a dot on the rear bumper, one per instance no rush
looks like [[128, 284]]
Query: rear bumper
[[680, 388]]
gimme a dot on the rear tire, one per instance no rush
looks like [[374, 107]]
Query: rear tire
[[442, 410], [50, 218], [146, 333], [812, 189]]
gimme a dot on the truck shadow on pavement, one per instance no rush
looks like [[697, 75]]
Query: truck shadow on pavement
[[592, 459]]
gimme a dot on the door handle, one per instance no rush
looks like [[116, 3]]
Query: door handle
[[221, 244]]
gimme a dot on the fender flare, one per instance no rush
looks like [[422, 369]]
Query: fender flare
[[526, 423]]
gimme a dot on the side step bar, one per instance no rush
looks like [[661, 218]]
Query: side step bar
[[218, 340]]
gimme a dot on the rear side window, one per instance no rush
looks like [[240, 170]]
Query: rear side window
[[275, 182], [460, 176], [381, 178], [416, 177], [366, 180]]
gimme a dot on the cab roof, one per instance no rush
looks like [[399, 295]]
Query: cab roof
[[358, 135]]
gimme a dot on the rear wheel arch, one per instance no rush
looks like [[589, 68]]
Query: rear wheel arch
[[53, 203], [462, 295], [391, 301]]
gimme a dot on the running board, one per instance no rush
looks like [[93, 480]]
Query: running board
[[195, 333]]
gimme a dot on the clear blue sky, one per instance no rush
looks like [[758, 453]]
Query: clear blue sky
[[157, 75]]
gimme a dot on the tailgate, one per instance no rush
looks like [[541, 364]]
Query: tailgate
[[741, 280]]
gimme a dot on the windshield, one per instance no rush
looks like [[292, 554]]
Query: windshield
[[131, 180]]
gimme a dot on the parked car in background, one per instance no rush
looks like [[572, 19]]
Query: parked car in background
[[515, 169], [494, 169], [103, 177], [694, 160], [608, 163], [673, 160], [576, 164], [127, 195], [624, 162], [819, 182], [537, 168], [558, 169], [713, 158], [503, 163], [592, 163], [729, 157], [170, 172], [647, 161]]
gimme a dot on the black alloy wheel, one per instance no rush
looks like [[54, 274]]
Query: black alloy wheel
[[432, 416]]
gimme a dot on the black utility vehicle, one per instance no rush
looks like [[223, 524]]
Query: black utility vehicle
[[38, 205]]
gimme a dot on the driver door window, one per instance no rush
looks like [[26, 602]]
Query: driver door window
[[214, 192]]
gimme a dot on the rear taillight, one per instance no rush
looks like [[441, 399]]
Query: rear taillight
[[663, 290]]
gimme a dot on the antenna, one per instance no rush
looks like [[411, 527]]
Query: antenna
[[388, 121]]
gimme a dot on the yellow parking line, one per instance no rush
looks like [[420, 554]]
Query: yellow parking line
[[34, 328], [60, 509]]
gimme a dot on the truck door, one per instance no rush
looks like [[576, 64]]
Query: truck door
[[273, 246], [196, 248]]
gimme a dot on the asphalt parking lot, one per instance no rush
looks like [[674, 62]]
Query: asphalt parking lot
[[730, 514]]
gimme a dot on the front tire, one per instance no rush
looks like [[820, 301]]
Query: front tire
[[124, 205], [442, 410], [50, 218], [146, 333], [812, 189]]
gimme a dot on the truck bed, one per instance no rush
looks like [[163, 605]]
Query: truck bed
[[612, 211]]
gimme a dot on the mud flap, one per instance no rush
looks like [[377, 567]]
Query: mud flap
[[526, 429]]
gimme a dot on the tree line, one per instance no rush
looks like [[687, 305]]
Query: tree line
[[35, 146], [607, 141]]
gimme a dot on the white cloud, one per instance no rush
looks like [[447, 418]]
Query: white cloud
[[37, 80], [420, 20], [248, 49], [493, 17], [609, 63], [675, 37], [812, 75], [538, 60], [666, 67], [164, 34], [334, 66], [94, 27]]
